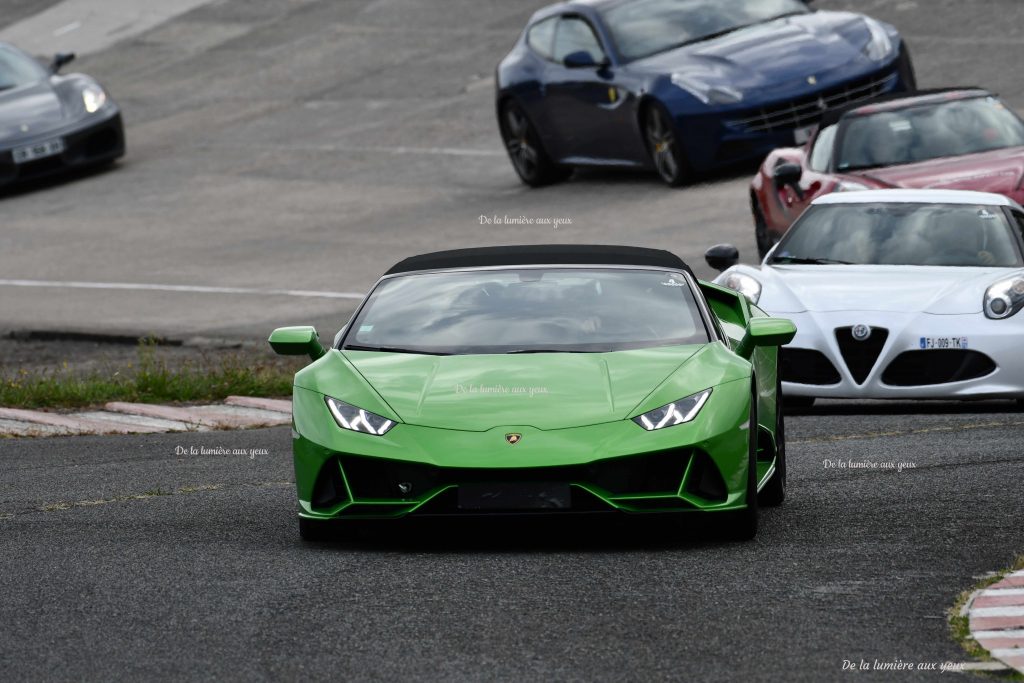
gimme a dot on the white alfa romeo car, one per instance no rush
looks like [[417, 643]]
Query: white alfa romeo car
[[896, 294]]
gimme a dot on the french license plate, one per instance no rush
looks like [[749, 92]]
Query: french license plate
[[40, 150], [514, 496], [802, 135], [943, 342]]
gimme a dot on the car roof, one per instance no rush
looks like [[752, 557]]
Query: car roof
[[915, 197], [895, 101], [543, 254]]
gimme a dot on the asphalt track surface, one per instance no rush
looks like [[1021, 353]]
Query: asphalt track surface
[[122, 559], [308, 146]]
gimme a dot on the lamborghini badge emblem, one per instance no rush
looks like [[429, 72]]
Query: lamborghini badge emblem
[[513, 439]]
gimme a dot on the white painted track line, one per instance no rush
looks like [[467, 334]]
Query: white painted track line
[[188, 289]]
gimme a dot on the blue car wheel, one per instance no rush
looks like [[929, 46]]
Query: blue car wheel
[[663, 146], [525, 150]]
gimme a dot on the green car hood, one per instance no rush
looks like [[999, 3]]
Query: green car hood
[[546, 391], [480, 392]]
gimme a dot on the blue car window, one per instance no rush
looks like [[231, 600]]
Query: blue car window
[[541, 37], [642, 28], [575, 35]]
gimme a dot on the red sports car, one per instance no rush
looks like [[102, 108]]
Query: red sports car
[[964, 139]]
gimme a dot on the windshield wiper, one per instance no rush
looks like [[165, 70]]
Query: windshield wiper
[[392, 349], [800, 260]]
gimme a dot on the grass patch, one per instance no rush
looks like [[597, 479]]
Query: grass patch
[[959, 625], [150, 378]]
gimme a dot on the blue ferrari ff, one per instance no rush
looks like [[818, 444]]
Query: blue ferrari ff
[[683, 86]]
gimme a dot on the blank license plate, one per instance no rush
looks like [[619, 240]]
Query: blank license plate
[[943, 342], [515, 496], [41, 150]]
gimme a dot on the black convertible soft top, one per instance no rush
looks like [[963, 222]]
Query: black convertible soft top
[[568, 254]]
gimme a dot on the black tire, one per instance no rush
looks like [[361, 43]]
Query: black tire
[[525, 150], [764, 243], [743, 525], [906, 69], [774, 492], [798, 402], [663, 146]]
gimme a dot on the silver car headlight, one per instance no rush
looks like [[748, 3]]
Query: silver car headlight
[[708, 94], [93, 97], [1004, 298], [744, 284], [352, 417], [880, 45], [675, 413]]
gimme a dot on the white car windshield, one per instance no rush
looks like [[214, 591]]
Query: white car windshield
[[528, 310], [901, 234]]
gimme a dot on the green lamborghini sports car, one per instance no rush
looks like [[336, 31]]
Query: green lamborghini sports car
[[540, 380]]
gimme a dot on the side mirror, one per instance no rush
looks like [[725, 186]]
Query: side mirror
[[787, 173], [61, 59], [766, 332], [297, 341], [722, 256], [582, 59]]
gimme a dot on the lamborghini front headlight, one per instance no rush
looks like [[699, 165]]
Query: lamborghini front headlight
[[675, 413], [356, 419]]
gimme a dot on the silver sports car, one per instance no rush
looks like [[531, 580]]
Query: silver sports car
[[897, 294]]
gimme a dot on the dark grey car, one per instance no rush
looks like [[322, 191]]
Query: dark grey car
[[51, 122]]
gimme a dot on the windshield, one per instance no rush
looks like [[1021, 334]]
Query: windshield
[[901, 234], [641, 28], [928, 131], [17, 70], [528, 310]]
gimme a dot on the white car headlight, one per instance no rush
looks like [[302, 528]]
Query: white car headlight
[[879, 46], [708, 94], [744, 284], [352, 417], [93, 98], [675, 413], [848, 186], [1004, 298]]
